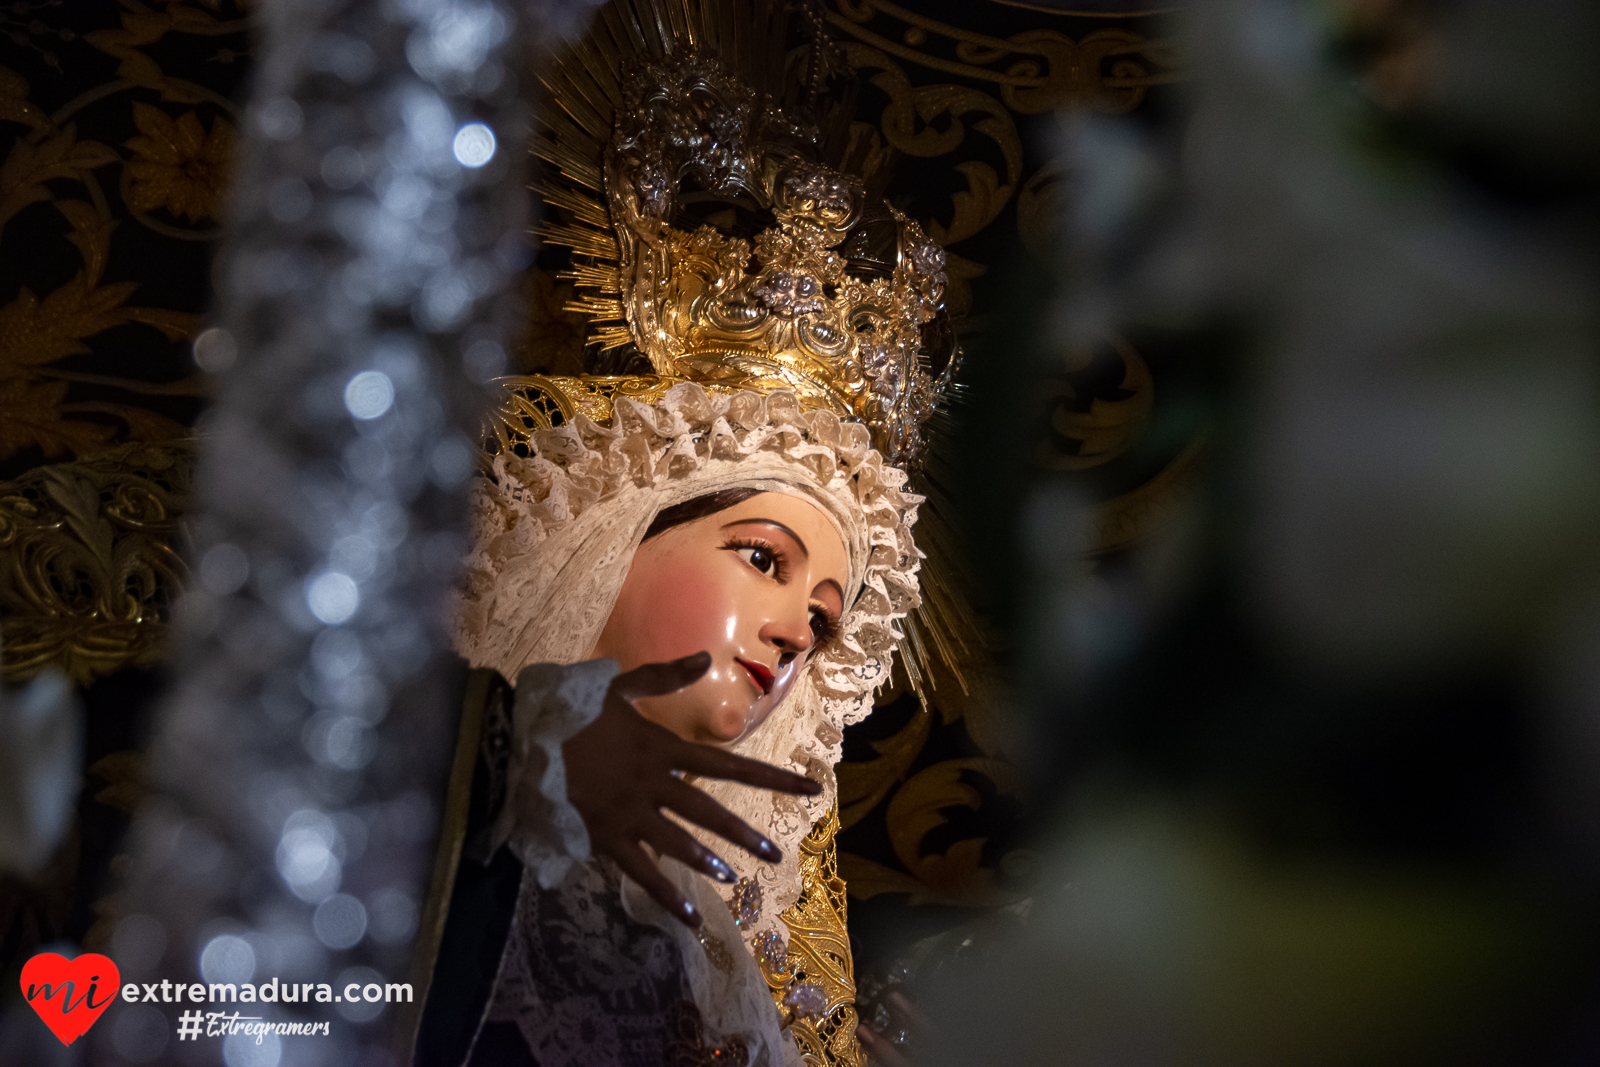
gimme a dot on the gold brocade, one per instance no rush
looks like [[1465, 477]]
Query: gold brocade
[[87, 563], [1108, 69], [819, 952], [539, 401], [86, 351]]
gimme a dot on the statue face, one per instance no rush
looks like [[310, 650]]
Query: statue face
[[759, 585]]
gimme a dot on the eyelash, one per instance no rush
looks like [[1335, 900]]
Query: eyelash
[[779, 559], [824, 627]]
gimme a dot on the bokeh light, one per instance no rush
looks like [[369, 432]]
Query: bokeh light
[[227, 958], [474, 145], [333, 597], [340, 921], [369, 394], [214, 350]]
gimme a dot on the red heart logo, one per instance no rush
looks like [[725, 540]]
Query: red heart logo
[[69, 995]]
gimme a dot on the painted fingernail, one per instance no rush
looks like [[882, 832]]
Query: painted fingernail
[[690, 915], [721, 870], [768, 851]]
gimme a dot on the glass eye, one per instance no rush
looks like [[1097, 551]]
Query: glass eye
[[760, 558]]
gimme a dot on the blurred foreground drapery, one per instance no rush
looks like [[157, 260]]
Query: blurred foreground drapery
[[299, 760], [373, 222], [1324, 748]]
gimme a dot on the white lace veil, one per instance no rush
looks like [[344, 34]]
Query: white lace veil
[[554, 535]]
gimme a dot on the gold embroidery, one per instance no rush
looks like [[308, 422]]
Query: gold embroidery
[[87, 568], [1081, 437], [177, 165], [37, 334], [1108, 69], [819, 953], [1134, 515], [30, 164]]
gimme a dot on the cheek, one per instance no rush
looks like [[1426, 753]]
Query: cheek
[[679, 604], [673, 610]]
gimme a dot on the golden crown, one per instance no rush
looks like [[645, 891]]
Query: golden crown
[[710, 239]]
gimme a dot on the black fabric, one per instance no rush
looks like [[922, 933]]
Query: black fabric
[[501, 1045], [483, 901]]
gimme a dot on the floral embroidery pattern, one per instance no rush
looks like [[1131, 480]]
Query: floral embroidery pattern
[[177, 165]]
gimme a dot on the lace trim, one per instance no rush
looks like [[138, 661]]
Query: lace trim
[[541, 827], [724, 982], [582, 981]]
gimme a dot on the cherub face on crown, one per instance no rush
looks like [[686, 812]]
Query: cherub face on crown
[[744, 263]]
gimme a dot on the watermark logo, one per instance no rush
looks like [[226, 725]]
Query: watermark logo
[[70, 995], [221, 1024], [189, 1026]]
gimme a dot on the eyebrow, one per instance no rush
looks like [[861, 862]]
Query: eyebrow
[[837, 588], [772, 522]]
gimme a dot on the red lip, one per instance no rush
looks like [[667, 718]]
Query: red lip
[[762, 676]]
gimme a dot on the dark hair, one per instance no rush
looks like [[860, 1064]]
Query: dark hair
[[699, 508]]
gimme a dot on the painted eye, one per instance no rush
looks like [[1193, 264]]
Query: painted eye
[[821, 627], [759, 558]]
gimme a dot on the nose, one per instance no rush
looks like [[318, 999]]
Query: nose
[[789, 635]]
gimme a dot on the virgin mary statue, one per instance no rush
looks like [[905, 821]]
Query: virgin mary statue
[[694, 570]]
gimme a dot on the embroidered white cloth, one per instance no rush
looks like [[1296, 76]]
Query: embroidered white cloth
[[539, 824]]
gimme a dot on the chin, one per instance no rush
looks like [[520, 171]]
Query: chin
[[718, 734], [724, 726]]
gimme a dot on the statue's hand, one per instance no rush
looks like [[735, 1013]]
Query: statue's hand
[[623, 771], [883, 1053]]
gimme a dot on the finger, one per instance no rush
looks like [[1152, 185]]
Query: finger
[[694, 805], [883, 1053], [659, 679], [669, 839], [642, 869], [711, 762], [909, 1011]]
